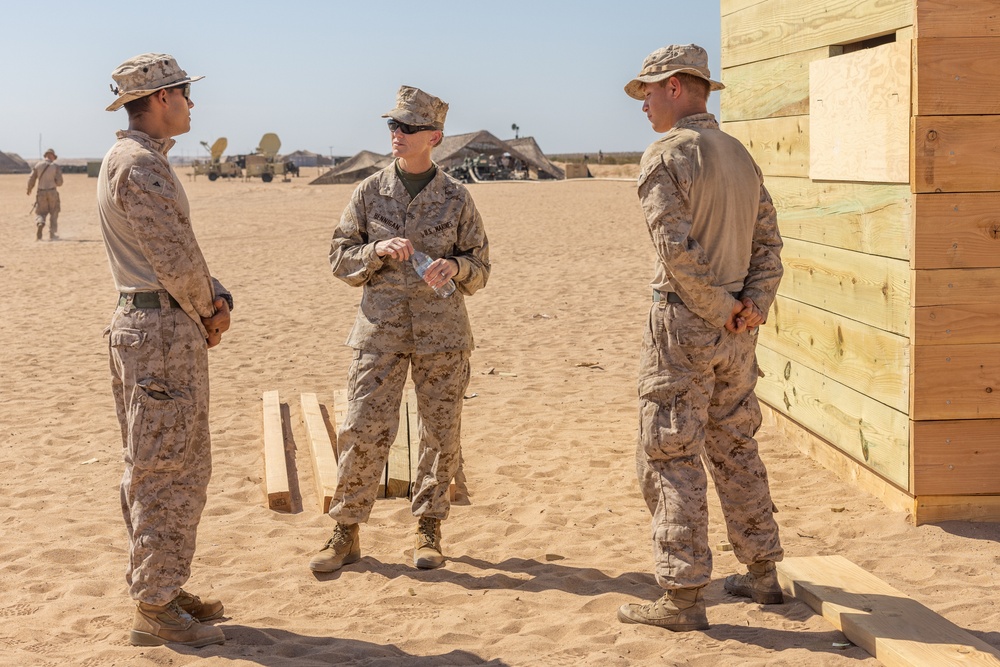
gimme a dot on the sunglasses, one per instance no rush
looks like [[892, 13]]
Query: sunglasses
[[185, 90], [407, 129]]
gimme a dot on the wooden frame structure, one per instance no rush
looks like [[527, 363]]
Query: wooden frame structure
[[877, 126]]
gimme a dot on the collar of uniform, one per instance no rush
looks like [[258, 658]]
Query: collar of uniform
[[159, 145], [390, 185], [698, 120]]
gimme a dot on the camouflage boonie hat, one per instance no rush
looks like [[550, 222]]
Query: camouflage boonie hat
[[52, 152], [144, 75], [415, 107], [663, 63]]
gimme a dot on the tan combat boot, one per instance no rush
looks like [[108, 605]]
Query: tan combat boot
[[342, 549], [427, 551], [679, 610], [760, 583], [202, 610], [156, 625]]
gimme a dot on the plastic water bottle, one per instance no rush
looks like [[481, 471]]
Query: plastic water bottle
[[421, 263]]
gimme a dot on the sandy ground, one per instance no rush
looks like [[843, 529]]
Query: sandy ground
[[555, 535]]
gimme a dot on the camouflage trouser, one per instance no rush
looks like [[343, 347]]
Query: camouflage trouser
[[47, 203], [696, 401], [159, 376], [374, 393]]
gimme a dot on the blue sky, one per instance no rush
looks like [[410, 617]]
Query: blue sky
[[319, 74]]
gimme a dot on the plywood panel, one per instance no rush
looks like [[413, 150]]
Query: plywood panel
[[868, 360], [955, 154], [895, 629], [956, 230], [954, 76], [953, 287], [770, 88], [775, 27], [967, 324], [956, 457], [956, 18], [820, 450], [866, 288], [861, 131], [867, 430], [780, 146], [869, 218], [955, 382]]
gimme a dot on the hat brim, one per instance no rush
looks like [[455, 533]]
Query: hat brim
[[410, 118], [125, 98], [635, 87]]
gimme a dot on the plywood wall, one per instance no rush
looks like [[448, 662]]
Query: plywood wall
[[877, 126]]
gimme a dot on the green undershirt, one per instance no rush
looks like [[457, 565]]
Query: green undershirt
[[414, 183]]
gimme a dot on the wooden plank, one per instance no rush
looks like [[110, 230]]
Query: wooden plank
[[770, 88], [935, 509], [866, 288], [857, 426], [956, 457], [935, 287], [279, 496], [732, 6], [821, 451], [876, 106], [775, 27], [967, 324], [956, 76], [780, 146], [321, 451], [859, 356], [956, 18], [892, 627], [955, 154], [869, 218], [404, 447], [955, 382], [956, 230]]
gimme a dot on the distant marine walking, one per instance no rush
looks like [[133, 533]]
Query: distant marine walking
[[48, 175]]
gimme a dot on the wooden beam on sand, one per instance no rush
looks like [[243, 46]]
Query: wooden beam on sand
[[895, 629], [321, 451], [275, 466]]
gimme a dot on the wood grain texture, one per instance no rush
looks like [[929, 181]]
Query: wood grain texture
[[956, 230], [770, 88], [956, 18], [863, 217], [861, 132], [955, 457], [955, 154], [956, 76], [780, 146], [776, 27], [276, 487], [955, 382]]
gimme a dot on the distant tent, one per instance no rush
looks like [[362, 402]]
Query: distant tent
[[11, 163], [546, 168], [306, 159], [354, 169], [454, 150]]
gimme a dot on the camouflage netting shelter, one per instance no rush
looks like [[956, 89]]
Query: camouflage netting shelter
[[11, 163], [528, 146], [355, 169], [454, 150]]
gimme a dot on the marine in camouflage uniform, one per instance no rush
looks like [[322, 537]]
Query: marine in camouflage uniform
[[48, 175], [403, 324], [718, 266], [170, 311]]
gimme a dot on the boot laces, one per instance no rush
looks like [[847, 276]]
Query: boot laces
[[427, 531], [341, 536]]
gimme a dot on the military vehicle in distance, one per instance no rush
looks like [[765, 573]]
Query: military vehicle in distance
[[217, 168], [264, 162]]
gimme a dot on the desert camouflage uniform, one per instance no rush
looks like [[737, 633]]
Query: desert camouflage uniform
[[49, 177], [402, 322], [715, 233], [159, 361]]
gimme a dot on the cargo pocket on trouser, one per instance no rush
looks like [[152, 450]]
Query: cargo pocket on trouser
[[675, 549], [158, 427]]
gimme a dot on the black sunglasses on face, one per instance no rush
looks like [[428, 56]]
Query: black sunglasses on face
[[407, 129], [185, 90]]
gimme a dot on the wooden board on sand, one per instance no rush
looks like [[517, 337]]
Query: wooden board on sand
[[895, 629], [275, 467]]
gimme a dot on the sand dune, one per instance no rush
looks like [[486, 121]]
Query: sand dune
[[555, 535]]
